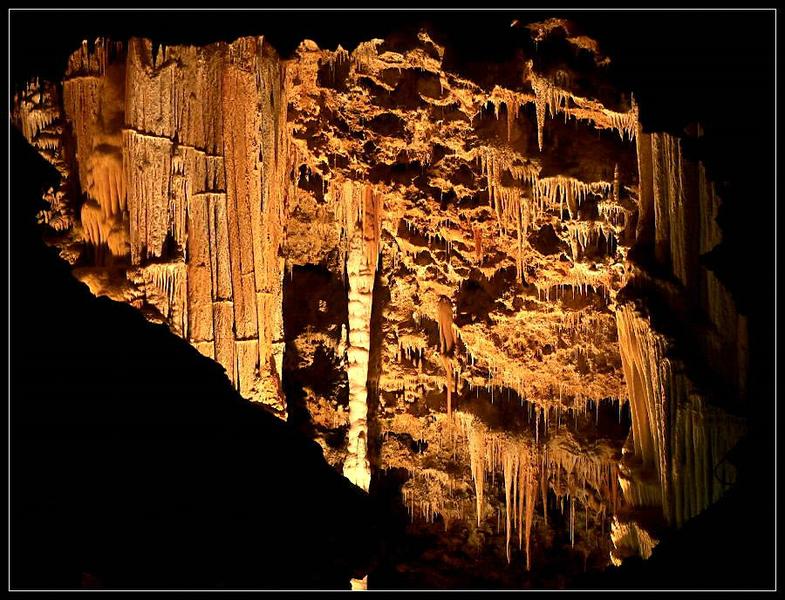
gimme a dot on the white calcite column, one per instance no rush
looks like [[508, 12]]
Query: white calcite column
[[356, 468]]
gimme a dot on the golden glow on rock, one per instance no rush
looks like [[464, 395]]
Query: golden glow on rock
[[500, 265]]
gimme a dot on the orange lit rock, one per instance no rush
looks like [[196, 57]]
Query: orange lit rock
[[474, 256]]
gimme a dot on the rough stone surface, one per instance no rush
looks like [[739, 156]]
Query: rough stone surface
[[477, 288]]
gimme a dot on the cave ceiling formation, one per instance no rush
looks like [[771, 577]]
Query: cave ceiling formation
[[483, 288]]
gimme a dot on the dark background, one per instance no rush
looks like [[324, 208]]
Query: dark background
[[134, 463]]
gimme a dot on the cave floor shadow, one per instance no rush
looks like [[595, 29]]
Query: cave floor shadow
[[135, 464]]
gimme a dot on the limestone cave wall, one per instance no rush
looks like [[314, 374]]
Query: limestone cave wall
[[485, 294]]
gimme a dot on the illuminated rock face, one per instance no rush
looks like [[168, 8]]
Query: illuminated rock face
[[681, 430], [362, 232], [494, 324], [181, 160]]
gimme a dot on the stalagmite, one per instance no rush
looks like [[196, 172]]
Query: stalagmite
[[363, 228]]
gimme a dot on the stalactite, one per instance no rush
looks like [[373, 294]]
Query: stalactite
[[93, 102], [669, 427], [646, 373], [671, 225], [212, 177], [581, 234], [428, 493], [337, 58], [528, 488], [552, 99], [572, 520], [514, 211], [547, 98], [446, 345], [614, 214], [491, 452], [510, 464], [512, 101], [525, 467], [476, 445], [477, 235], [358, 205], [568, 191], [169, 281]]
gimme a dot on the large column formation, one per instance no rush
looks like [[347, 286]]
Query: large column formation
[[361, 261], [183, 154], [255, 223], [679, 439], [674, 463], [360, 216], [646, 372], [360, 278]]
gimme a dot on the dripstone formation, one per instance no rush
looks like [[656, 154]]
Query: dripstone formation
[[476, 289]]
